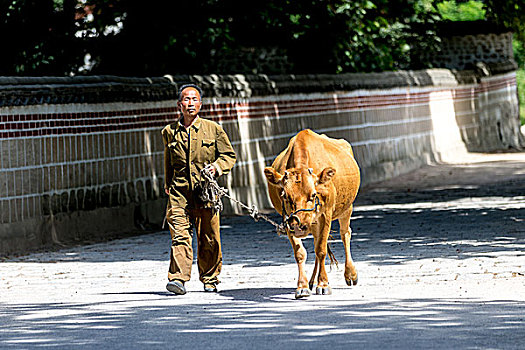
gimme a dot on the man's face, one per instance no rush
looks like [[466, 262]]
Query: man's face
[[190, 103]]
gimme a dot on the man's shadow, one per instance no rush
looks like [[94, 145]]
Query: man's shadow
[[244, 294]]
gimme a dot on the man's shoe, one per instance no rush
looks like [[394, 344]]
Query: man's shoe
[[210, 287], [176, 287]]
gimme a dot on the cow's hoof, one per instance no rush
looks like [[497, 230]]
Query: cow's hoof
[[323, 290], [302, 293], [351, 282]]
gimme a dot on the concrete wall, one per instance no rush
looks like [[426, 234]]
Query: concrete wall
[[81, 157]]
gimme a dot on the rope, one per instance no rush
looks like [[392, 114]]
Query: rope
[[212, 192]]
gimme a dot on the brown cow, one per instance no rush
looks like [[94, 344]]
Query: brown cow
[[316, 179]]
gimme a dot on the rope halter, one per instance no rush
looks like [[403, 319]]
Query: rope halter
[[288, 218]]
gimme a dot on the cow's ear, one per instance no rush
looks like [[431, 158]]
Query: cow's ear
[[273, 176], [326, 175]]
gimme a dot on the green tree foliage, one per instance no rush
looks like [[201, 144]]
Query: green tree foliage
[[465, 11], [212, 36], [130, 37], [519, 53], [509, 13], [38, 37]]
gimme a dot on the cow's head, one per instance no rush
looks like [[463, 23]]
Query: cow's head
[[304, 196]]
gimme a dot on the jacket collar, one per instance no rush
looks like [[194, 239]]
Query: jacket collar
[[196, 123]]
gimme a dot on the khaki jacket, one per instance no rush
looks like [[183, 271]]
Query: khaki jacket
[[187, 152]]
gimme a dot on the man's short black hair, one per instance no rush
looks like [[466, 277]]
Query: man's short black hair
[[185, 86]]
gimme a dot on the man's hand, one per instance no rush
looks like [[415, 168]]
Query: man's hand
[[210, 170]]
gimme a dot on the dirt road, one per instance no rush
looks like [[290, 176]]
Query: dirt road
[[440, 254]]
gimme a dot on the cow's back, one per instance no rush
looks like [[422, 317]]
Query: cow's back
[[311, 150]]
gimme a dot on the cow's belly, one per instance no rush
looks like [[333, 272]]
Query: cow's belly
[[346, 188]]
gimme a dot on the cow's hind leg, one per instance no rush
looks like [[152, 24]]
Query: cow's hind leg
[[346, 234], [302, 290]]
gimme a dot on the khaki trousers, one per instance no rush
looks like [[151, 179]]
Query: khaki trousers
[[209, 255]]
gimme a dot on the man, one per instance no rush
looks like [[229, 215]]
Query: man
[[192, 144]]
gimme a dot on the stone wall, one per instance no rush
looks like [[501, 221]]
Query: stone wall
[[81, 157], [466, 51], [472, 45]]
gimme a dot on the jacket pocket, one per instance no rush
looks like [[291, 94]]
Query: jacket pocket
[[207, 152], [177, 154]]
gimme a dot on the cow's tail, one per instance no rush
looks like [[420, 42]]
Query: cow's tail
[[332, 256]]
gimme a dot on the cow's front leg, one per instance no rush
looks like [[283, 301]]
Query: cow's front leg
[[321, 242], [346, 235], [313, 279], [302, 290]]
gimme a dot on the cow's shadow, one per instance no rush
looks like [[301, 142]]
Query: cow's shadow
[[259, 294]]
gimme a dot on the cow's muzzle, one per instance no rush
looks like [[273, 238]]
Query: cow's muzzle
[[295, 227], [294, 224]]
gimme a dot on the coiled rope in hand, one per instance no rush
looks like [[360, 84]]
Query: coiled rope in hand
[[212, 192]]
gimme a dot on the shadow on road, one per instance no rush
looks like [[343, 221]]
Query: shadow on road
[[448, 182], [393, 236], [264, 319]]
